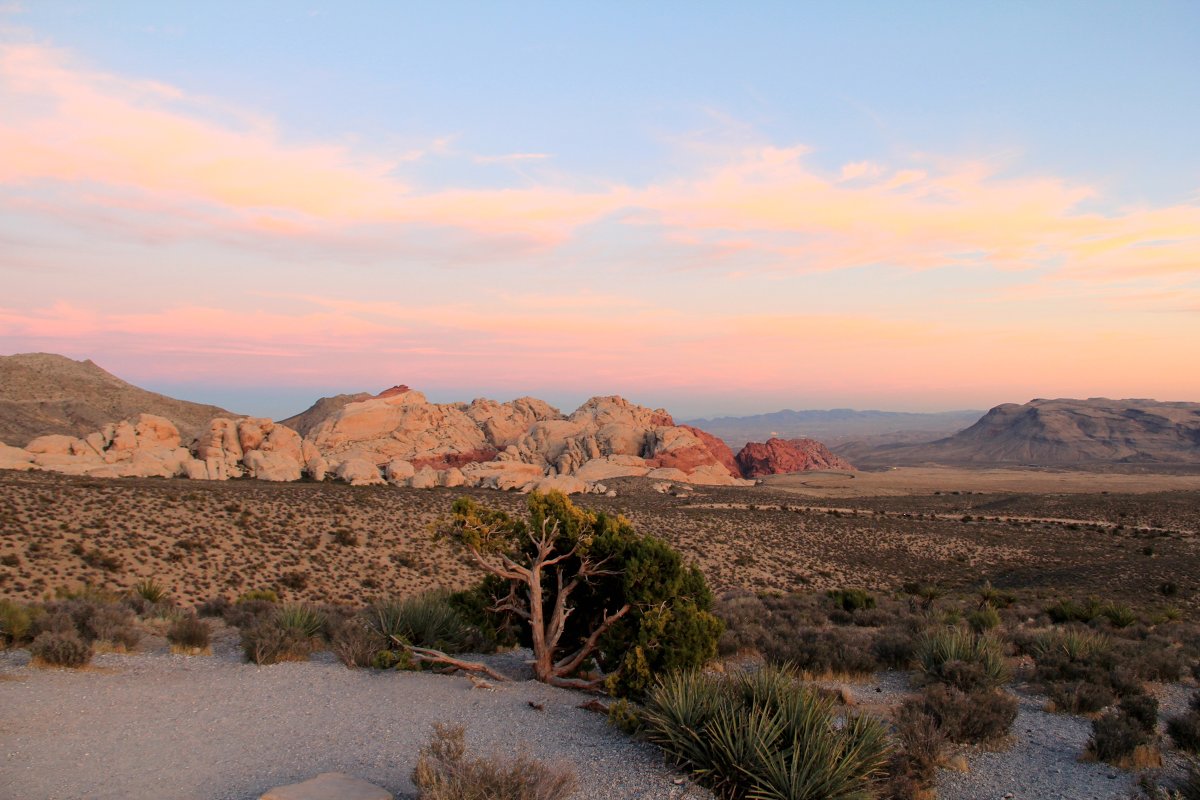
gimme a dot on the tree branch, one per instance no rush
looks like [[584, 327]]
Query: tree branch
[[431, 656], [571, 663]]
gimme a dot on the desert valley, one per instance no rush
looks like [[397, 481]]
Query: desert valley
[[599, 401], [1083, 513]]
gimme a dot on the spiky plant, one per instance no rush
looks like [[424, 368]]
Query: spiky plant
[[962, 659], [302, 619], [763, 736], [425, 620], [1071, 643], [150, 590]]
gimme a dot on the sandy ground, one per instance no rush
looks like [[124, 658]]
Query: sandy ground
[[153, 726], [900, 481]]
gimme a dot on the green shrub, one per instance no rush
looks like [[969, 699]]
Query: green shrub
[[15, 623], [967, 661], [189, 633], [1071, 611], [444, 772], [972, 718], [632, 608], [1119, 616], [303, 619], [763, 735], [60, 649], [851, 599], [1071, 644], [150, 590], [983, 619], [424, 620]]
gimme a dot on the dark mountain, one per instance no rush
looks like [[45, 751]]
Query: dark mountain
[[43, 393]]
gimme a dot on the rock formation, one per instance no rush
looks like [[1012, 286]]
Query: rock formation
[[780, 456]]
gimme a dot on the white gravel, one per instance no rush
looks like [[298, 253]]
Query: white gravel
[[207, 727]]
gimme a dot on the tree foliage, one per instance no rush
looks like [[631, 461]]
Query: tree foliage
[[599, 603]]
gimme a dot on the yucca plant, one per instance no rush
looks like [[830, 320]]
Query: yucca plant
[[1072, 644], [1119, 616], [302, 619], [763, 736], [965, 660], [150, 590], [425, 620]]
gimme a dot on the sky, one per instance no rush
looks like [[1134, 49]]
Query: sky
[[714, 208]]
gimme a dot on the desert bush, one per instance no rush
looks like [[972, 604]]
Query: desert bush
[[822, 652], [969, 718], [356, 643], [1079, 697], [924, 592], [913, 766], [288, 634], [189, 632], [1119, 616], [967, 661], [851, 599], [1184, 729], [15, 623], [445, 772], [1155, 661], [111, 623], [983, 619], [268, 595], [214, 607], [60, 649], [1142, 709], [764, 735], [1117, 738], [894, 647], [425, 620], [1072, 611]]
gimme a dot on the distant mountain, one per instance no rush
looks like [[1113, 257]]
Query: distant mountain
[[1064, 432], [42, 393], [838, 426]]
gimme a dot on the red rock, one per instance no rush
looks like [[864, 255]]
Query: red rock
[[779, 456], [457, 460], [717, 447], [395, 390]]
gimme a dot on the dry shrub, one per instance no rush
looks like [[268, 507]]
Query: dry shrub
[[356, 643], [189, 634], [1080, 697], [1120, 740], [114, 624], [1185, 728], [972, 718], [60, 649], [444, 772], [913, 766], [269, 642]]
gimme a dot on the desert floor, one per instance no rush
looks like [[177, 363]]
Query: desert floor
[[337, 543]]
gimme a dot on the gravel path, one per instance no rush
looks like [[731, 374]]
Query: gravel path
[[1042, 763], [161, 726]]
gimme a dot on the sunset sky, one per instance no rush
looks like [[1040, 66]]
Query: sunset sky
[[716, 208]]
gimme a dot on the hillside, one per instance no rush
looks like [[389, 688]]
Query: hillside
[[44, 393], [1064, 432], [838, 425]]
